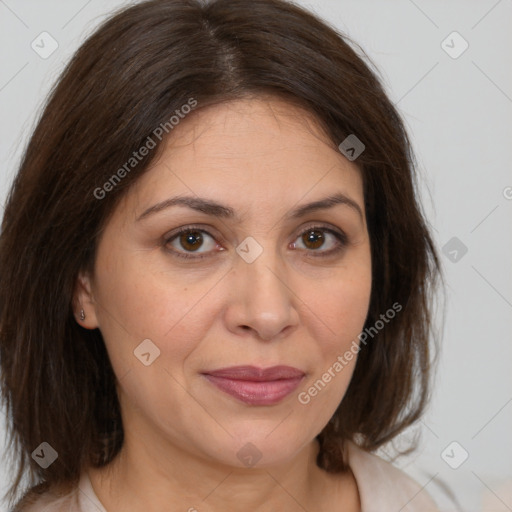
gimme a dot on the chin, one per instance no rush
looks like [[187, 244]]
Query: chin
[[270, 445]]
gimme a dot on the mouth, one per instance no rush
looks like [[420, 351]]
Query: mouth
[[256, 386]]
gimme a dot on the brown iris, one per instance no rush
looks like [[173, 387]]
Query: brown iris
[[313, 237], [191, 240]]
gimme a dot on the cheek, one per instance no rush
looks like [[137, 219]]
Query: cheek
[[339, 308], [136, 303], [342, 307], [348, 302], [173, 315]]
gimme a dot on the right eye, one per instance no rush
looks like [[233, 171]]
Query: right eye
[[187, 242]]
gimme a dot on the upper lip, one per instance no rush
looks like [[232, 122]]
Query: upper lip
[[255, 374]]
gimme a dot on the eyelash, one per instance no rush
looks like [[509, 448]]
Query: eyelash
[[340, 236]]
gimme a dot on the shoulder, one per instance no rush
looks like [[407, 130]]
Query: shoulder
[[48, 502], [383, 487], [80, 498]]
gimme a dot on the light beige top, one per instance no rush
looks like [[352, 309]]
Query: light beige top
[[382, 488]]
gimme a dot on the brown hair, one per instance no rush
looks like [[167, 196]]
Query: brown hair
[[140, 66]]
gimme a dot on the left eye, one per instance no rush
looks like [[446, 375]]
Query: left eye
[[316, 238]]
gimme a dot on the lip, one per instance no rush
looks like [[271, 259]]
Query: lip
[[256, 386]]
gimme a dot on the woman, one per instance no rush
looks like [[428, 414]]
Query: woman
[[215, 275]]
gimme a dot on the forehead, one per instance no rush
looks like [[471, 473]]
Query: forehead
[[259, 125], [259, 148]]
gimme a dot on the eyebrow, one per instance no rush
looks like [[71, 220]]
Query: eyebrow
[[213, 208]]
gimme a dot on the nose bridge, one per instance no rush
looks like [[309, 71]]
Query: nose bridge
[[262, 293]]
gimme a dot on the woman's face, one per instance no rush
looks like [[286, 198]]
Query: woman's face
[[259, 280]]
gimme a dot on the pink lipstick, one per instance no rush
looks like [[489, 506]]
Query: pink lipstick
[[256, 386]]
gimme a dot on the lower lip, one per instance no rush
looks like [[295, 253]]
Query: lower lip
[[256, 393]]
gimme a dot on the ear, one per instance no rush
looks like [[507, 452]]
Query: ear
[[83, 299]]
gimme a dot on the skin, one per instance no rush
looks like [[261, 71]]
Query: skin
[[263, 158]]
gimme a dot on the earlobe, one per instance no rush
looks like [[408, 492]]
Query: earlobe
[[84, 306]]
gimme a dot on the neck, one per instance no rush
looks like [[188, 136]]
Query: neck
[[148, 478]]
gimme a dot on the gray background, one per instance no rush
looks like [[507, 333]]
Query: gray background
[[458, 111]]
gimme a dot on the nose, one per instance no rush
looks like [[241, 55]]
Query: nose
[[262, 300]]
